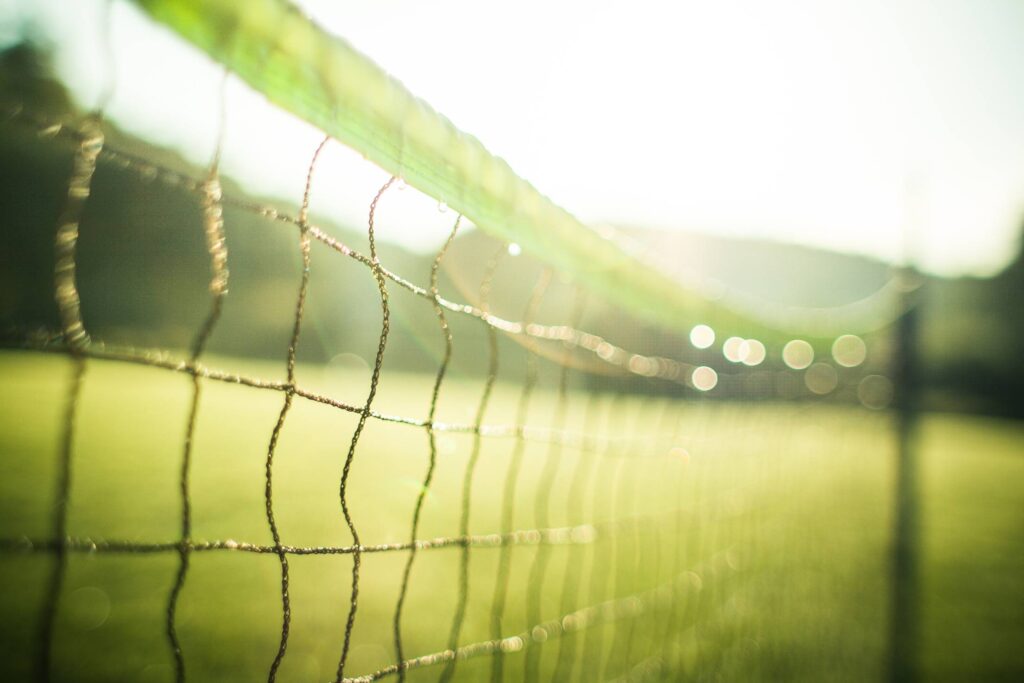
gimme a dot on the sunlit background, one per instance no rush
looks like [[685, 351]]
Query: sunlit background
[[892, 129], [726, 478]]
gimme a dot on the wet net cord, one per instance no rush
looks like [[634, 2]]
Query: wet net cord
[[625, 548], [159, 360], [76, 338], [511, 478], [363, 415], [213, 228], [582, 474], [598, 571], [432, 443], [580, 534], [627, 607], [467, 483], [676, 562], [542, 504], [293, 343]]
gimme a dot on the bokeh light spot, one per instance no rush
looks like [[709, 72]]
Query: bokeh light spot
[[642, 365], [704, 378], [821, 378], [88, 607], [731, 349], [875, 392], [680, 453], [849, 350], [702, 336], [752, 352], [798, 354]]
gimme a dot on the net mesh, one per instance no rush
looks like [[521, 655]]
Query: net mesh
[[667, 536]]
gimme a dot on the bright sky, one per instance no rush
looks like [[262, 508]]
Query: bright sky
[[829, 123]]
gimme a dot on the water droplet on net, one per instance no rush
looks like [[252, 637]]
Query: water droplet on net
[[442, 206]]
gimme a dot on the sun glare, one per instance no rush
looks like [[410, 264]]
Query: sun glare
[[777, 104]]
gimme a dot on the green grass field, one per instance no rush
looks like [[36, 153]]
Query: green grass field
[[780, 514]]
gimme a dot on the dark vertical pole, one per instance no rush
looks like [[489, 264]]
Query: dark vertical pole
[[903, 608]]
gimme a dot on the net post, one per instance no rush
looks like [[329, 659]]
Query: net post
[[904, 606]]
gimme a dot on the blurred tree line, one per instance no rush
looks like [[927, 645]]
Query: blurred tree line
[[143, 273]]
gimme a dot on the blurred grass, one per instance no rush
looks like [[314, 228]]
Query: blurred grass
[[784, 522]]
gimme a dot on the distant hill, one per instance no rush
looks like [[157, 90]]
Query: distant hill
[[778, 272]]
